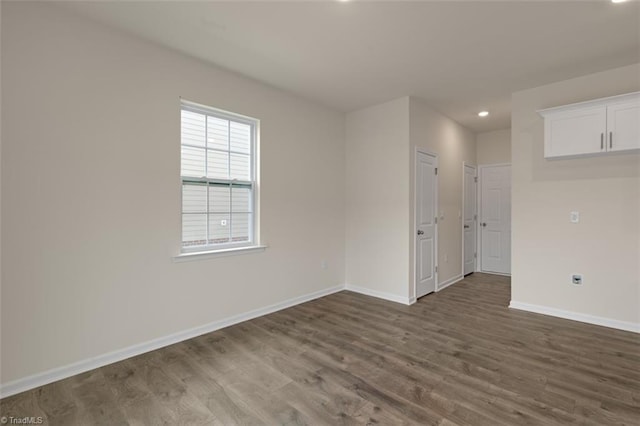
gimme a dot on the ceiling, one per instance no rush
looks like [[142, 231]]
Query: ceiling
[[458, 56]]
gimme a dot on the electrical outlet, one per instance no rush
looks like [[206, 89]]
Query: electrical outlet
[[323, 264], [576, 279], [574, 217]]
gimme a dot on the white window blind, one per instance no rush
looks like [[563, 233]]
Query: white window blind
[[218, 179]]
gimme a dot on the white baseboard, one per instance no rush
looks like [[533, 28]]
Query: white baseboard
[[59, 373], [380, 294], [495, 273], [576, 316], [450, 281]]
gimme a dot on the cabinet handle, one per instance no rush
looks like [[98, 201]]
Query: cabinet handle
[[610, 139], [601, 141]]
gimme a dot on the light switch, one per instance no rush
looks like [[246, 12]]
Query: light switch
[[574, 217]]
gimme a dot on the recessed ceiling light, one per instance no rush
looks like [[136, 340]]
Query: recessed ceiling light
[[483, 113], [618, 1]]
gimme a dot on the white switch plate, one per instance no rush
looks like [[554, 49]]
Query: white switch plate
[[574, 217]]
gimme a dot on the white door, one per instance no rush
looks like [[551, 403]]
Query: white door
[[469, 219], [495, 219], [426, 187]]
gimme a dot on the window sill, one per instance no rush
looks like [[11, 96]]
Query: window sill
[[203, 255]]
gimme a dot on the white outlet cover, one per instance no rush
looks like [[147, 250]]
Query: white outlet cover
[[574, 217]]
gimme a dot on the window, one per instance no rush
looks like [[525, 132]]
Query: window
[[218, 179]]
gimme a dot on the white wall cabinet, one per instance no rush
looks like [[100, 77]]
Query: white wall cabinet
[[595, 127]]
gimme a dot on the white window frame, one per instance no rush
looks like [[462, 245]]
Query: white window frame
[[230, 247]]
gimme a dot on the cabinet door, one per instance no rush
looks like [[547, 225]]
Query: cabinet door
[[623, 126], [575, 132]]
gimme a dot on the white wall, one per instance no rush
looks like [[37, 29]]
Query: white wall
[[494, 147], [604, 246], [377, 199], [91, 193], [454, 144], [381, 142]]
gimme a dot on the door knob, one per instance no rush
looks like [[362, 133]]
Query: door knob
[[483, 224], [466, 227], [420, 232]]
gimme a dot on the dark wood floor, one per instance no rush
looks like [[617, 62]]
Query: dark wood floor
[[456, 357]]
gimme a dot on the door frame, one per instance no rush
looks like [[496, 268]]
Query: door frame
[[414, 228], [479, 212], [475, 262]]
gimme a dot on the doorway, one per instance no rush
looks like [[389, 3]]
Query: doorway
[[469, 219], [426, 230], [495, 219]]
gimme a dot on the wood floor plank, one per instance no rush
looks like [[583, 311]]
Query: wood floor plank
[[27, 404], [96, 402], [221, 402], [170, 392], [333, 404], [457, 357]]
